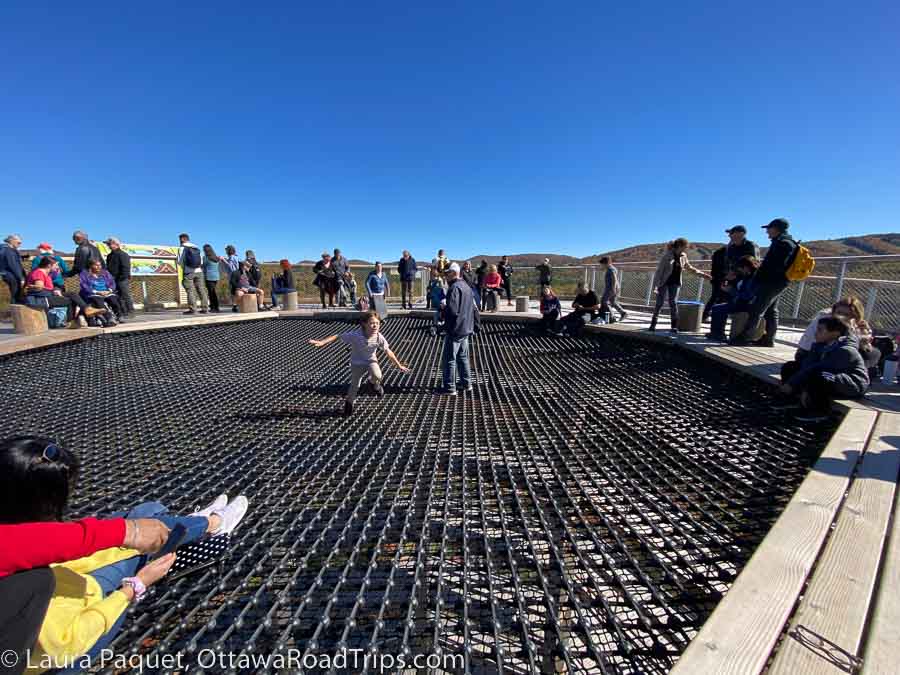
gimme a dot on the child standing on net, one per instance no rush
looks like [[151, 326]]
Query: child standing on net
[[364, 343]]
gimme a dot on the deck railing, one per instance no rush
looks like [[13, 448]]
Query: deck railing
[[875, 279]]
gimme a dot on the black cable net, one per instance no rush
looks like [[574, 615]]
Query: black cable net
[[582, 511]]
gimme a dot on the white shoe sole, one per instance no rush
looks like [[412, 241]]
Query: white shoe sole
[[233, 514]]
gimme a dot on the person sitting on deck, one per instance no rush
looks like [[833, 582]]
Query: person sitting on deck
[[586, 308], [490, 296], [283, 283], [97, 287], [551, 310], [241, 281], [851, 309], [59, 273], [92, 594], [740, 291], [833, 368], [39, 286], [364, 344]]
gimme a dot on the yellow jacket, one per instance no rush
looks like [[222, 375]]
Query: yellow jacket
[[78, 614]]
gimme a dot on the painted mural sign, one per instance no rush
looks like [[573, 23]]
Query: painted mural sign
[[147, 259]]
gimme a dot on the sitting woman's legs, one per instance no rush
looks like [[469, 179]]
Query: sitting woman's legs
[[718, 318]]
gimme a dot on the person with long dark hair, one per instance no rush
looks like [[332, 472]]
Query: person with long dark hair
[[667, 280], [91, 596], [211, 276]]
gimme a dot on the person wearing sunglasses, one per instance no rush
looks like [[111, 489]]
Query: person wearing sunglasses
[[87, 608]]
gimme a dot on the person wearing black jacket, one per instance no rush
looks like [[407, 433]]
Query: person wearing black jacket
[[459, 323], [771, 280], [480, 273], [406, 268], [725, 261], [506, 270], [545, 274], [85, 254], [468, 275], [11, 270], [118, 264]]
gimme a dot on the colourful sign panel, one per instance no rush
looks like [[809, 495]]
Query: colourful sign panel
[[147, 259]]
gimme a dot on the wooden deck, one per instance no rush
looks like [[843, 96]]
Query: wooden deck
[[820, 593]]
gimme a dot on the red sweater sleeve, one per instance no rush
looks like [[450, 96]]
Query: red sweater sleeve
[[27, 545]]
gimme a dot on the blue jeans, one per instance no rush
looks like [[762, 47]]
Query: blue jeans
[[456, 353], [110, 577], [278, 289]]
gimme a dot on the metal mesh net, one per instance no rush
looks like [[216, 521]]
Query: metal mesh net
[[584, 510]]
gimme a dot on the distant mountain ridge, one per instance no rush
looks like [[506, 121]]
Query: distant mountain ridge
[[868, 244]]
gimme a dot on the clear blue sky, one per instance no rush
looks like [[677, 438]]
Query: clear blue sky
[[476, 126]]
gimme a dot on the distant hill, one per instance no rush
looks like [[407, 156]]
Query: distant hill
[[869, 244]]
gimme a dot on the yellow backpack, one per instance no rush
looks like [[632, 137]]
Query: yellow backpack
[[801, 266]]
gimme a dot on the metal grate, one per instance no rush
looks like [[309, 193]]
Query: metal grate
[[583, 511]]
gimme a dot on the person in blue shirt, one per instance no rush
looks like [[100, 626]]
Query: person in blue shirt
[[740, 293], [377, 281], [59, 274], [211, 275]]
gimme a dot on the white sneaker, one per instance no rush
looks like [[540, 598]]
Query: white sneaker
[[232, 515], [215, 508]]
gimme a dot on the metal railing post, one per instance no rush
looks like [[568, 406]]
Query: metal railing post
[[797, 300], [840, 281], [870, 301], [700, 288], [593, 278], [650, 276]]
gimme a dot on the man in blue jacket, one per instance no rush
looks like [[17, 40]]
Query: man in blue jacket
[[406, 268], [459, 324], [11, 268], [771, 281]]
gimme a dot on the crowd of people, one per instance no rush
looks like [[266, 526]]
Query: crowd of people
[[745, 287]]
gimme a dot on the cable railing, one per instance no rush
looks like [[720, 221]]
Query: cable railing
[[874, 279]]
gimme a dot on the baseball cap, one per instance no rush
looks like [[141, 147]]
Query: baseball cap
[[454, 267], [737, 228], [112, 240], [44, 244], [780, 223]]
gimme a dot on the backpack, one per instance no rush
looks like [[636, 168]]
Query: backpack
[[801, 266], [192, 257], [56, 317]]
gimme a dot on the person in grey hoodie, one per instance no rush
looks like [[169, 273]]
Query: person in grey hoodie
[[190, 259], [833, 369]]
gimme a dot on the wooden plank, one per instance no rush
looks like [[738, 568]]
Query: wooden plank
[[880, 655], [740, 634], [837, 599]]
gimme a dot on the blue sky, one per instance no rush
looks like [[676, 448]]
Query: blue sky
[[480, 127]]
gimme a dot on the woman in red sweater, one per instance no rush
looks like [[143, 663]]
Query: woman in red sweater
[[492, 283]]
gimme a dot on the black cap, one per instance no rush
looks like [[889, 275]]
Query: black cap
[[737, 228], [779, 223]]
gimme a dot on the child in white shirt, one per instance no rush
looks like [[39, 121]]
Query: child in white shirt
[[364, 344]]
